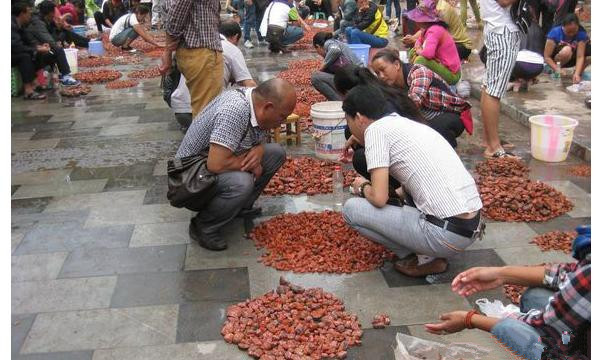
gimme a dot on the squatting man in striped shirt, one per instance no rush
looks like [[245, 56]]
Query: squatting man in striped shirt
[[440, 215], [234, 128]]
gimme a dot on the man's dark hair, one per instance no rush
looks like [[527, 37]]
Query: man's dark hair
[[570, 19], [19, 7], [142, 10], [46, 7], [230, 29], [320, 38], [366, 100]]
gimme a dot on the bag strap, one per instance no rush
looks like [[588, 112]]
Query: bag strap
[[249, 117], [128, 21]]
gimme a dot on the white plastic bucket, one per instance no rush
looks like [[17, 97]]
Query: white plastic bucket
[[361, 51], [551, 137], [71, 55], [329, 124]]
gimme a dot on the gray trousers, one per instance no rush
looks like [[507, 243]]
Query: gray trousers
[[403, 230], [237, 190], [324, 84]]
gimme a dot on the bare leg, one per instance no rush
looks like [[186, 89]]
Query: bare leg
[[28, 88], [490, 113]]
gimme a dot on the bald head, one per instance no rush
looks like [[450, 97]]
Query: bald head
[[275, 99]]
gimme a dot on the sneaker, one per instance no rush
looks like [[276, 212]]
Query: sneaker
[[248, 44], [67, 80]]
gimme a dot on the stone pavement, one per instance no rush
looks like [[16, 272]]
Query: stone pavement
[[103, 268]]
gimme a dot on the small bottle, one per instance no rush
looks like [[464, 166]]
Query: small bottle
[[557, 75], [338, 187]]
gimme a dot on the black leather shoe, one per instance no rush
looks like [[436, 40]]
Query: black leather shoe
[[252, 212], [214, 242]]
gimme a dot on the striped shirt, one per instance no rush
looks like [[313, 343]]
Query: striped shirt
[[424, 163], [195, 23], [229, 121]]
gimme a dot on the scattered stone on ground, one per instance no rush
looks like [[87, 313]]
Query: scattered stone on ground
[[74, 91], [514, 292], [502, 167], [380, 321], [581, 170], [555, 240], [122, 84], [97, 76]]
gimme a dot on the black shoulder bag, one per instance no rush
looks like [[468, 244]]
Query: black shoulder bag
[[274, 33], [191, 184]]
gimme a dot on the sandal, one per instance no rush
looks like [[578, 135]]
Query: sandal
[[507, 145], [34, 95], [500, 154]]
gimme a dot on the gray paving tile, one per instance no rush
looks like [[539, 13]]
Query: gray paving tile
[[95, 262], [71, 355], [377, 344], [21, 119], [133, 129], [101, 200], [157, 193], [29, 206], [65, 216], [181, 287], [202, 321], [26, 145], [206, 350], [67, 134], [15, 240], [45, 126], [119, 177], [501, 235], [160, 234], [61, 295], [55, 176], [62, 189], [160, 169], [36, 267], [119, 109], [14, 189], [16, 135], [531, 255], [156, 115], [102, 329], [563, 223], [146, 214], [104, 121], [77, 116], [69, 236], [582, 201], [19, 328], [458, 264]]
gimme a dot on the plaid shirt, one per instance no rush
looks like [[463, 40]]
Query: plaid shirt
[[195, 23], [569, 309], [431, 99]]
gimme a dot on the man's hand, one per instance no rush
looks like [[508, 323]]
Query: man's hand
[[477, 279], [253, 158], [257, 171], [358, 181], [450, 323], [409, 40], [43, 49], [165, 62], [576, 78], [346, 156]]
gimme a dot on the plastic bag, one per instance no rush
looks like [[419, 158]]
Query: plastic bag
[[412, 348], [583, 86], [496, 308]]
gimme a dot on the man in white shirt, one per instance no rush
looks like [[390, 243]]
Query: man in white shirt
[[275, 25], [235, 72], [128, 27], [501, 38], [440, 215]]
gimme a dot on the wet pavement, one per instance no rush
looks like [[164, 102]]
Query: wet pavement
[[103, 268]]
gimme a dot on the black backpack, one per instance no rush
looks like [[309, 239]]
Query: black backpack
[[521, 15]]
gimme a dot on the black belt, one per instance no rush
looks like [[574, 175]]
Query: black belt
[[451, 227]]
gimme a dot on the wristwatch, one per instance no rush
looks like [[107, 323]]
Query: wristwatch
[[361, 188]]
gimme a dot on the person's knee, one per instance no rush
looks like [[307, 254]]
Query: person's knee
[[564, 55], [351, 211], [240, 184], [534, 298], [276, 154]]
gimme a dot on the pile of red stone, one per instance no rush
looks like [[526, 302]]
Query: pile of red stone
[[74, 91], [122, 84], [514, 292], [502, 167], [299, 73], [555, 240], [94, 61], [292, 323], [581, 170], [380, 321], [306, 43], [97, 76], [316, 242], [519, 199], [145, 73], [305, 175]]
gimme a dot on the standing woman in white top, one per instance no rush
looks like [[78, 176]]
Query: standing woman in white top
[[440, 215], [129, 27]]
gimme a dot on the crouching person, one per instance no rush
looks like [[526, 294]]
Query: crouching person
[[233, 128], [440, 214]]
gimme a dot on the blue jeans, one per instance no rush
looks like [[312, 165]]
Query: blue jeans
[[355, 36], [122, 37], [251, 22], [388, 8], [292, 34], [519, 337]]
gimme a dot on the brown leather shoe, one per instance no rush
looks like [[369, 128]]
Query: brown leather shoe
[[436, 266]]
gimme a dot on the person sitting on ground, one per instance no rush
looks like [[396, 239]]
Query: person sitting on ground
[[435, 48], [344, 17], [369, 26], [445, 111], [396, 101], [442, 217], [50, 27], [235, 72], [75, 9], [43, 31], [447, 14], [276, 28], [336, 55], [112, 10], [530, 59], [128, 27], [317, 6], [25, 55], [555, 315], [234, 128], [570, 45]]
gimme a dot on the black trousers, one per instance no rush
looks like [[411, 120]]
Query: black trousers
[[463, 52], [99, 18], [28, 64], [449, 125], [72, 37]]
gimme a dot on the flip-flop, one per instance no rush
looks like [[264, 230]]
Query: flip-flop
[[506, 144], [34, 96], [500, 154]]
